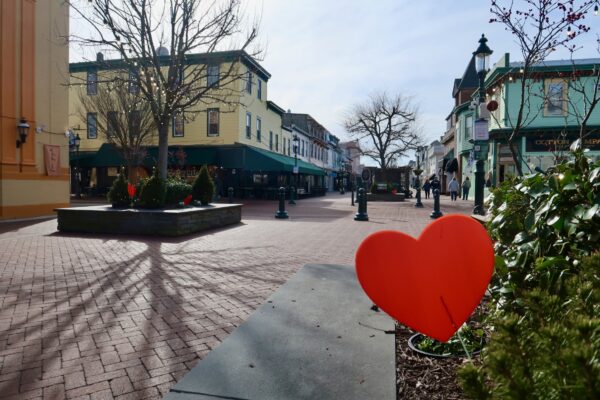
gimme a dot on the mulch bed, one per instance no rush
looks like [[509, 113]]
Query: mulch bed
[[422, 377]]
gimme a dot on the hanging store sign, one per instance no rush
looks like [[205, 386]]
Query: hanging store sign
[[480, 131], [366, 175], [295, 170]]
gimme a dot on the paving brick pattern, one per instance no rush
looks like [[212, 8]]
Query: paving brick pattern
[[102, 317]]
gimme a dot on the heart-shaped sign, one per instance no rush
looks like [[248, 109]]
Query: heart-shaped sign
[[430, 284]]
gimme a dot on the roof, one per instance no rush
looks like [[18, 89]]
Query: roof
[[199, 58], [274, 107], [548, 66], [469, 80]]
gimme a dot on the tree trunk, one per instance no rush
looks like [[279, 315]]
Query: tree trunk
[[163, 149], [516, 158]]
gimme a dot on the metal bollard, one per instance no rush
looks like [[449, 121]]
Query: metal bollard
[[292, 196], [230, 194], [281, 213], [352, 195], [436, 205], [362, 206]]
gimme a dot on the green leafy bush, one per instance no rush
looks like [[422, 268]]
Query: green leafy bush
[[118, 195], [550, 351], [545, 304], [153, 192], [177, 191], [542, 225], [203, 187]]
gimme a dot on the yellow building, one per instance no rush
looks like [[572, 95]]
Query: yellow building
[[241, 136], [34, 54]]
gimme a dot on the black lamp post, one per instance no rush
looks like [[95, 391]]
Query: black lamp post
[[77, 143], [418, 172], [295, 187], [482, 61]]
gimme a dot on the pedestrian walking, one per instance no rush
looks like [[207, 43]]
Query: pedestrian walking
[[453, 188], [427, 189], [466, 186]]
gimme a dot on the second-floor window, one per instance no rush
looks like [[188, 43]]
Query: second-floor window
[[259, 89], [213, 122], [212, 78], [288, 147], [135, 123], [277, 143], [248, 125], [468, 127], [555, 104], [249, 82], [270, 140], [178, 125], [133, 84], [111, 123], [92, 125], [92, 82], [258, 128]]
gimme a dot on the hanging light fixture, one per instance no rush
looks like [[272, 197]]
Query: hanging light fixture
[[23, 129]]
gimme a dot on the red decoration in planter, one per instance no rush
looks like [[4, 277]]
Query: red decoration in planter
[[430, 284], [131, 190], [187, 200]]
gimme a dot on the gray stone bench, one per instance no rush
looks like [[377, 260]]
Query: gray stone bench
[[315, 338]]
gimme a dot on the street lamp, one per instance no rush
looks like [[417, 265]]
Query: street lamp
[[77, 143], [418, 172], [23, 129], [481, 136], [295, 139]]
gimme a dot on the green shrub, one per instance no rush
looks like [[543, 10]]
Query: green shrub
[[203, 187], [548, 352], [177, 191], [118, 195], [546, 288], [542, 225], [153, 192], [374, 187]]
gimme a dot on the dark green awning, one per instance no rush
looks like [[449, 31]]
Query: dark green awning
[[255, 159]]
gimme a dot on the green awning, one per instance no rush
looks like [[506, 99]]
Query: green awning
[[449, 155], [255, 159], [109, 156]]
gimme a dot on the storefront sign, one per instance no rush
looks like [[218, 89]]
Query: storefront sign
[[52, 159], [548, 143], [366, 174]]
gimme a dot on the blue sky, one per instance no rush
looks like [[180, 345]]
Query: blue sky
[[326, 55]]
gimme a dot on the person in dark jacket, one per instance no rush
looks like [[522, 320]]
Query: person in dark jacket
[[427, 189]]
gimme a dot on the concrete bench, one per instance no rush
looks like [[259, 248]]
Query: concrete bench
[[315, 338]]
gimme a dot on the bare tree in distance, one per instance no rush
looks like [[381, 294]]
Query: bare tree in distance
[[386, 128], [130, 129], [539, 27], [136, 29]]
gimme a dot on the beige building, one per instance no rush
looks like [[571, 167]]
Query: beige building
[[237, 131], [34, 54]]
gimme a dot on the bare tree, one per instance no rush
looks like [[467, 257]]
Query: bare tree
[[169, 80], [539, 27], [385, 127], [123, 118]]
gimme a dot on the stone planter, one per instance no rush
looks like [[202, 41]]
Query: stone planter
[[130, 221], [385, 197]]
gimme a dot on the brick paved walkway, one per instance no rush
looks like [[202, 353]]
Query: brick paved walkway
[[96, 317]]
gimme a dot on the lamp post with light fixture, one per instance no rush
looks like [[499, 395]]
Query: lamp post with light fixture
[[77, 143], [480, 131], [294, 189]]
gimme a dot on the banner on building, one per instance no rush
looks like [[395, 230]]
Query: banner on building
[[52, 159]]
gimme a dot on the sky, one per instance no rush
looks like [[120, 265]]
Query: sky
[[327, 55]]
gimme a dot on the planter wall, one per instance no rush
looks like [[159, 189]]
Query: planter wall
[[385, 197], [177, 222]]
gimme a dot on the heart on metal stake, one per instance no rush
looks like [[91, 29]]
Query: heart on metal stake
[[431, 284]]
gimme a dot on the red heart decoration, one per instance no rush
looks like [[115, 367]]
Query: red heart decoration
[[430, 284]]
